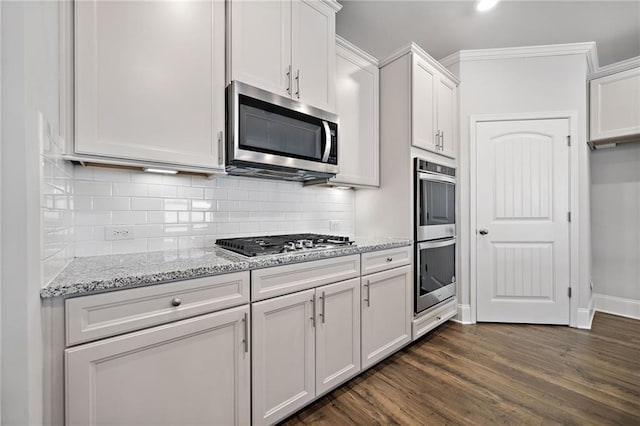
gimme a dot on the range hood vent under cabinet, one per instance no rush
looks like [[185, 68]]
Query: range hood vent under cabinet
[[275, 137]]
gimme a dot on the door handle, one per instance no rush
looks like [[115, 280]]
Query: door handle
[[245, 326], [483, 231], [313, 307], [289, 80], [298, 84], [441, 140]]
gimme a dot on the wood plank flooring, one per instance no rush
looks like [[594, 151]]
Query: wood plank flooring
[[487, 374]]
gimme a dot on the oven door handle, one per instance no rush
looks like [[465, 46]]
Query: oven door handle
[[436, 178], [327, 141], [436, 244]]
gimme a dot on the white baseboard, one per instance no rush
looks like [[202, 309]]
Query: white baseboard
[[464, 315], [629, 308], [584, 318]]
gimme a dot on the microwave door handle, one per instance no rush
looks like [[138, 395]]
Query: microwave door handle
[[327, 141]]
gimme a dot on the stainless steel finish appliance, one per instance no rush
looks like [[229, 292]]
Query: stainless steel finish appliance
[[435, 272], [272, 136], [435, 220], [276, 244], [435, 200]]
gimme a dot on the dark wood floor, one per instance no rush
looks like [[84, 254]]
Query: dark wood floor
[[487, 374]]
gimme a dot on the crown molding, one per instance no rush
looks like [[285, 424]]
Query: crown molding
[[333, 4], [417, 50], [617, 67], [587, 48], [352, 47]]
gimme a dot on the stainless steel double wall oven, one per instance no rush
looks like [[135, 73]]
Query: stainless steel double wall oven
[[435, 234]]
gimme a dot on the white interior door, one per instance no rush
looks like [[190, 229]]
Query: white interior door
[[522, 221]]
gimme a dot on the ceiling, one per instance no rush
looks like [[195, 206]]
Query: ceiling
[[443, 27]]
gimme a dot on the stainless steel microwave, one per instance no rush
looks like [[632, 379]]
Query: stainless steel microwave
[[272, 136]]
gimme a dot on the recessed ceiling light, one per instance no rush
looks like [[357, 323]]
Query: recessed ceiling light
[[484, 5]]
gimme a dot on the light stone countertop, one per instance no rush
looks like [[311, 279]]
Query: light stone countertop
[[87, 275]]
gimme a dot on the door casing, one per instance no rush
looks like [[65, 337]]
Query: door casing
[[572, 116]]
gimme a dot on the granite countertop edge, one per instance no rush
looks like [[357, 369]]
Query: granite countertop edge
[[111, 272]]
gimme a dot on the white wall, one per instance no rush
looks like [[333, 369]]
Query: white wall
[[30, 91], [615, 221], [181, 212], [521, 85]]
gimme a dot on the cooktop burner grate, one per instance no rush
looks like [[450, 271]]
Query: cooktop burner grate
[[274, 244]]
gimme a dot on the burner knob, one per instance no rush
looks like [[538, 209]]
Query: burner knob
[[299, 244], [308, 243]]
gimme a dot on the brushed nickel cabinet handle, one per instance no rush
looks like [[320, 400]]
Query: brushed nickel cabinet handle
[[313, 310], [389, 259], [289, 80], [324, 302], [368, 298], [298, 84], [245, 326]]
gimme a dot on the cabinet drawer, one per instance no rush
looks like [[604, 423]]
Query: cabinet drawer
[[102, 315], [434, 318], [377, 261], [279, 280]]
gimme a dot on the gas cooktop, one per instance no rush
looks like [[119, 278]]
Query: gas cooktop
[[274, 244]]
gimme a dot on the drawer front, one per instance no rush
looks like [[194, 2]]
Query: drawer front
[[279, 280], [377, 261], [102, 315], [434, 318]]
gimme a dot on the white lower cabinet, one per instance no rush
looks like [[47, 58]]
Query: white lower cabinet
[[386, 313], [283, 355], [194, 372], [304, 344], [337, 334]]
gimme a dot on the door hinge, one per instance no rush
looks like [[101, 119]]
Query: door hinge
[[569, 292], [569, 140], [569, 216]]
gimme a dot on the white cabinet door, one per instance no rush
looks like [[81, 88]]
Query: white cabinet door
[[149, 80], [447, 113], [386, 313], [615, 105], [194, 371], [283, 355], [423, 105], [260, 44], [337, 333], [357, 105], [313, 53]]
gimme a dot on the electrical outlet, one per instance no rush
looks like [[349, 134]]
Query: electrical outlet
[[118, 233], [334, 225]]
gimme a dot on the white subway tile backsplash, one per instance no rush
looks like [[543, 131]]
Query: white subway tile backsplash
[[83, 187], [190, 192], [128, 217], [176, 212], [129, 189], [174, 204], [111, 203], [146, 204]]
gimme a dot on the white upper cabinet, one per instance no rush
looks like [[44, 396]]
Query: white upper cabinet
[[615, 105], [447, 116], [424, 105], [434, 106], [286, 47], [149, 81], [357, 105], [260, 44]]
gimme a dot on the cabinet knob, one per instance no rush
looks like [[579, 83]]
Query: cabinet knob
[[438, 318], [389, 259], [176, 301]]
